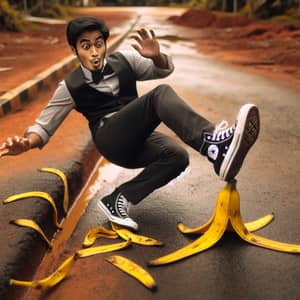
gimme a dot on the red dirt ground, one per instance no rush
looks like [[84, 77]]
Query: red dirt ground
[[41, 48], [267, 48]]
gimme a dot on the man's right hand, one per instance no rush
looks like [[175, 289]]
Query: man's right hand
[[14, 146]]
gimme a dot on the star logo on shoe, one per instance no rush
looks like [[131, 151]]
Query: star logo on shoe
[[212, 152]]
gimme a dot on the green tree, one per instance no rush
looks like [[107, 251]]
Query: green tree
[[10, 19]]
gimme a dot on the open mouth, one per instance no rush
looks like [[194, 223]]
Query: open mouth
[[96, 62]]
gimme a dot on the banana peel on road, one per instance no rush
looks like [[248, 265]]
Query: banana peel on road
[[251, 226], [227, 216], [50, 281], [134, 270], [98, 232], [126, 235], [63, 177], [33, 225], [64, 269], [102, 249], [36, 194]]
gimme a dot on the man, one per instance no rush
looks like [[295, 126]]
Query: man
[[103, 89]]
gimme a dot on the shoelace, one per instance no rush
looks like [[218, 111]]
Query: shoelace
[[222, 131], [123, 206]]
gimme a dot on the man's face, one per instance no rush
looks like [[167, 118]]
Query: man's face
[[91, 49]]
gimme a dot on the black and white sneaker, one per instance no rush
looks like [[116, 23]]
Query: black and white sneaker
[[227, 147], [116, 207]]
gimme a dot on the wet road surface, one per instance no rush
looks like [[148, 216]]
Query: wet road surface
[[268, 182]]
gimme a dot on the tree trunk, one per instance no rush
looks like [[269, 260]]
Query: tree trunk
[[224, 5], [235, 6], [250, 7], [207, 5], [25, 7]]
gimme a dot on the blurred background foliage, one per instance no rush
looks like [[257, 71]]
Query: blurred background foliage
[[12, 11]]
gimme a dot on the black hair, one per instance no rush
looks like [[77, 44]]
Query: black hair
[[80, 25]]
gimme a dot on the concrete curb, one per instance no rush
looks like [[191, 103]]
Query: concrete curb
[[23, 252], [16, 98]]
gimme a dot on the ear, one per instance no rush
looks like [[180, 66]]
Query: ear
[[74, 50]]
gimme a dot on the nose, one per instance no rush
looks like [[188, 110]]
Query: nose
[[94, 51]]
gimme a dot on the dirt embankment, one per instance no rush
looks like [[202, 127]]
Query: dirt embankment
[[263, 47], [23, 55]]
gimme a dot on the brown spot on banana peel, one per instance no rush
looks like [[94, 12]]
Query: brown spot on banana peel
[[126, 234], [134, 270], [97, 232], [102, 249]]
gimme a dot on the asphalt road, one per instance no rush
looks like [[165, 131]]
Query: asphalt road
[[268, 182]]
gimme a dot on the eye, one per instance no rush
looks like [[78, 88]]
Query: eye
[[99, 44], [86, 46]]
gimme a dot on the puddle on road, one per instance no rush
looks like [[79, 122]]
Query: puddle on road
[[172, 38], [108, 174]]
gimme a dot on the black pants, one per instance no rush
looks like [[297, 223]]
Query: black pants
[[128, 139]]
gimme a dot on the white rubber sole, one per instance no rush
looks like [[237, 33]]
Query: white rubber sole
[[245, 135]]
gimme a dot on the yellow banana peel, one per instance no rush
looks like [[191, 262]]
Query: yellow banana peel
[[134, 270], [246, 235], [198, 230], [204, 242], [98, 232], [65, 182], [227, 216], [211, 236], [251, 226], [35, 194], [102, 249], [126, 234], [259, 223], [50, 281], [33, 225]]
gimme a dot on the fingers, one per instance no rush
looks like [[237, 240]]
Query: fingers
[[14, 145], [137, 38], [17, 139], [26, 143], [152, 34], [143, 34], [3, 152], [21, 141], [136, 47], [3, 149], [11, 141]]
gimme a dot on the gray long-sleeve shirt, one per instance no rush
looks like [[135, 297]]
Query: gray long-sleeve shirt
[[62, 102]]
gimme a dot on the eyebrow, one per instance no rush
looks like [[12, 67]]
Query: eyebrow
[[83, 40]]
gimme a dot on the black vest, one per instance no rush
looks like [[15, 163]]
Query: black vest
[[93, 104]]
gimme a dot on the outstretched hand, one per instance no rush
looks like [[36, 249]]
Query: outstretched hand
[[148, 47], [147, 44], [14, 146]]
